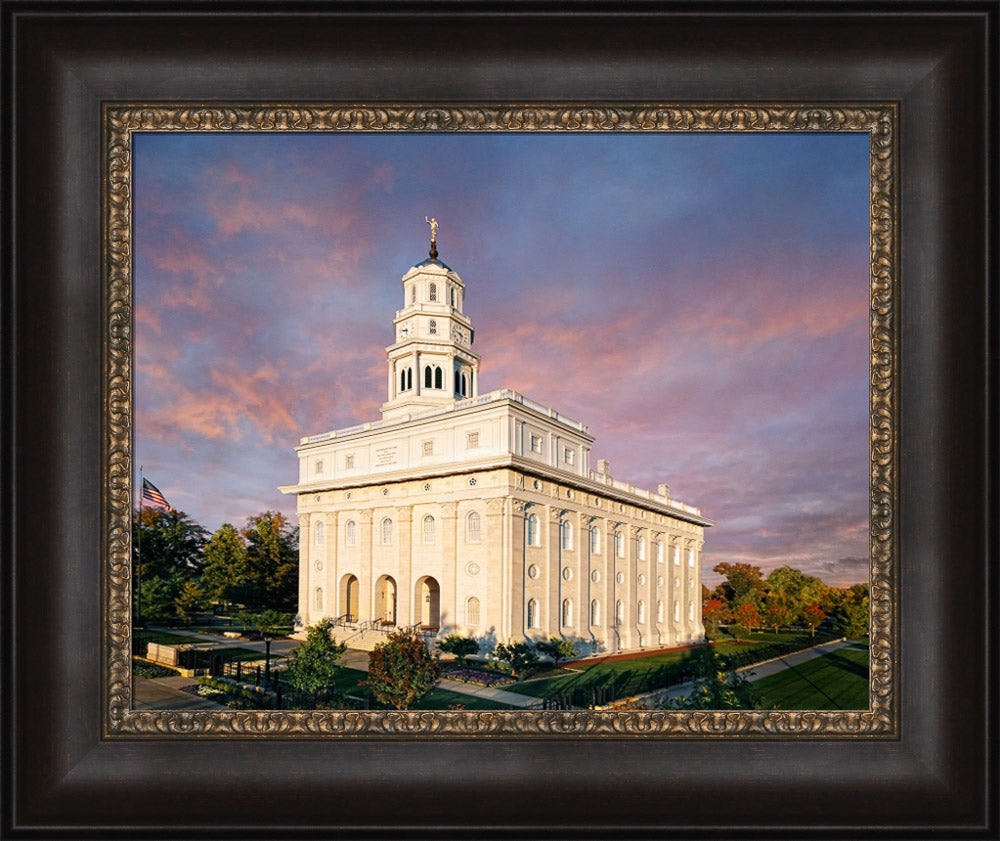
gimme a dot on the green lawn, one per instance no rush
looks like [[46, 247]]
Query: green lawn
[[836, 681]]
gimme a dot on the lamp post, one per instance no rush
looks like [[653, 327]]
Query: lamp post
[[267, 658]]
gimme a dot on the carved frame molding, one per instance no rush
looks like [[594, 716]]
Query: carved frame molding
[[122, 121]]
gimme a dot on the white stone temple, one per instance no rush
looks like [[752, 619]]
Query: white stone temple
[[480, 513]]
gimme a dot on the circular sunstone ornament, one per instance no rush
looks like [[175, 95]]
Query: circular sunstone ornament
[[472, 568], [318, 498], [472, 482], [347, 495], [385, 491], [532, 571], [427, 486], [537, 485]]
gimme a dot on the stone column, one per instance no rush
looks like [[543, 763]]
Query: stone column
[[404, 566], [495, 570], [303, 619], [449, 555]]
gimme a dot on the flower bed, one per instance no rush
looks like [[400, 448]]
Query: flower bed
[[477, 677]]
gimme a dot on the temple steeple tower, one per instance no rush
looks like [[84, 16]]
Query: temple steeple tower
[[431, 362]]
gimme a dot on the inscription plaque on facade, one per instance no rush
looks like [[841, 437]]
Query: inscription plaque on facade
[[386, 455]]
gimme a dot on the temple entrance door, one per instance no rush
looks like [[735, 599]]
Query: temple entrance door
[[428, 598], [385, 600], [350, 591]]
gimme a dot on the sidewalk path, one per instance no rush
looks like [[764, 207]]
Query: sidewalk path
[[772, 667], [164, 693], [500, 696]]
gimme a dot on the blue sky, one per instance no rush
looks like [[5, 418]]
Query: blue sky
[[700, 301]]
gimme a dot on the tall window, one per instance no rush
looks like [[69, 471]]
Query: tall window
[[691, 611], [349, 462], [413, 294], [451, 295], [595, 612], [319, 533], [567, 534], [620, 612], [464, 386], [472, 611], [619, 544], [658, 551], [534, 538], [567, 613], [659, 611], [438, 379], [642, 613], [691, 556], [536, 443], [432, 294], [350, 533], [532, 613], [595, 540], [434, 327], [472, 527], [387, 532], [428, 529], [319, 466], [677, 555], [427, 448], [677, 611], [318, 598], [428, 377], [640, 546]]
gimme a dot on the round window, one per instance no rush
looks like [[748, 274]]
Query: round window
[[642, 578], [532, 571], [595, 576], [659, 581], [567, 574], [318, 565], [472, 569], [620, 577]]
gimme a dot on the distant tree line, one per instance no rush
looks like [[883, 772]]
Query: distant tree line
[[747, 601], [182, 570]]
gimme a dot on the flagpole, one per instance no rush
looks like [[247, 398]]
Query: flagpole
[[138, 557]]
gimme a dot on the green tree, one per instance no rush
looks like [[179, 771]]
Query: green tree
[[226, 575], [558, 649], [189, 601], [401, 670], [313, 666], [166, 544], [460, 646], [775, 615], [518, 655], [157, 597], [716, 686], [853, 619], [273, 557], [744, 584]]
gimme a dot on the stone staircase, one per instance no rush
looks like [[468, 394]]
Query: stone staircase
[[364, 636]]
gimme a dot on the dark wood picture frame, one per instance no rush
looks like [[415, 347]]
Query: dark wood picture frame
[[62, 778]]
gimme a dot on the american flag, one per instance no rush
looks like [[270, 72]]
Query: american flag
[[152, 493]]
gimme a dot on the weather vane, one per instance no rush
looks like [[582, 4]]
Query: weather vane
[[434, 235]]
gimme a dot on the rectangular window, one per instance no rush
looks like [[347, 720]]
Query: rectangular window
[[319, 466], [641, 549], [349, 462], [536, 444], [568, 456], [471, 440], [428, 448]]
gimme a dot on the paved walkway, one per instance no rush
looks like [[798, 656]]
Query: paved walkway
[[772, 667], [164, 693]]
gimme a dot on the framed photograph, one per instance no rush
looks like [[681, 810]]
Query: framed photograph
[[219, 127]]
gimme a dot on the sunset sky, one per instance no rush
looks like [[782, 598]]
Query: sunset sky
[[700, 301]]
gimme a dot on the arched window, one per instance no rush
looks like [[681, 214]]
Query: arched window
[[464, 388], [438, 379], [319, 533], [428, 382], [619, 544], [472, 527], [691, 556], [402, 380], [677, 611], [534, 538], [432, 293], [658, 551], [595, 612], [413, 294], [350, 533], [433, 327], [595, 540], [659, 611], [640, 546], [691, 611], [409, 378], [428, 529], [677, 555], [567, 613], [451, 295], [642, 613], [472, 611], [567, 534], [620, 613], [318, 598], [387, 532], [532, 613]]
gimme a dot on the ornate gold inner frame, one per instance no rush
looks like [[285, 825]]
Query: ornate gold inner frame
[[122, 121]]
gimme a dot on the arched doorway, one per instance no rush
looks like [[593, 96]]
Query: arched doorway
[[427, 596], [350, 591], [385, 600]]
